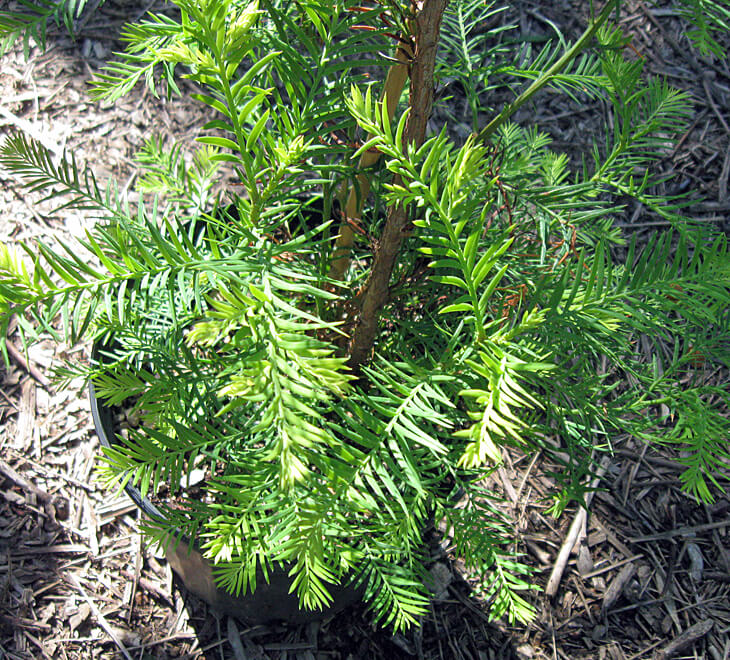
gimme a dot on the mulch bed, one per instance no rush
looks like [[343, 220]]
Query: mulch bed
[[645, 575]]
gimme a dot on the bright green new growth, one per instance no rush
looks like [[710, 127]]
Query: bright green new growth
[[509, 318]]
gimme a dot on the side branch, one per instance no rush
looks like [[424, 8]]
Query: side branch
[[427, 24], [576, 49]]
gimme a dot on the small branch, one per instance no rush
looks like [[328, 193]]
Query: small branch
[[427, 24], [546, 77]]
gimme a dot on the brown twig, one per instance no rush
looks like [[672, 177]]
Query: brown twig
[[426, 28], [576, 528], [23, 364]]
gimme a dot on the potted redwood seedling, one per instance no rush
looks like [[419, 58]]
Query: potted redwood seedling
[[299, 373]]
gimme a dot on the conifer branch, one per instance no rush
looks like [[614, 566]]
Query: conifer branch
[[573, 52]]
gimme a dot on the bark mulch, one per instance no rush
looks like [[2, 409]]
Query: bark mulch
[[645, 574]]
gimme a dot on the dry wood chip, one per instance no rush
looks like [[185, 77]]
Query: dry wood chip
[[54, 506], [685, 640], [234, 639], [440, 580], [93, 526], [110, 511], [41, 647], [151, 586], [127, 637], [59, 548], [100, 618], [616, 586], [22, 622], [540, 554], [34, 129], [681, 531], [611, 537], [525, 652], [696, 561], [13, 497], [584, 563], [26, 416], [75, 620]]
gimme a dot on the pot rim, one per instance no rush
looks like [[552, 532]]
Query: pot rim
[[101, 415]]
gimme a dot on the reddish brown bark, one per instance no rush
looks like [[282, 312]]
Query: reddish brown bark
[[392, 89], [426, 32]]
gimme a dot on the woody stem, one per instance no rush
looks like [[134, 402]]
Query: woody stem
[[427, 24]]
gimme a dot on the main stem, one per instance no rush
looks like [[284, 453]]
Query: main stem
[[392, 89], [426, 24]]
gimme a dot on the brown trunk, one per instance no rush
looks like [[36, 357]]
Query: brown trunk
[[426, 31], [392, 89]]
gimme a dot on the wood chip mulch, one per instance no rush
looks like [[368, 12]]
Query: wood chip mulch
[[646, 574]]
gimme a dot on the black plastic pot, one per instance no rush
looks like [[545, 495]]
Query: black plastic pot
[[270, 602]]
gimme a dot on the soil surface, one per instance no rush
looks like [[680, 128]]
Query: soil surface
[[647, 577]]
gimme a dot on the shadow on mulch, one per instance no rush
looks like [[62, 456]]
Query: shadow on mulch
[[456, 628]]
